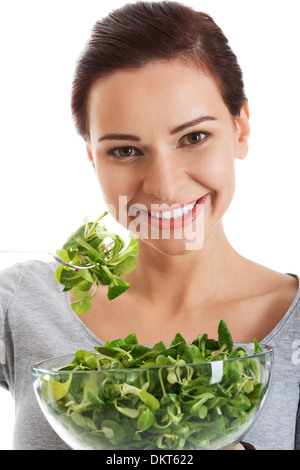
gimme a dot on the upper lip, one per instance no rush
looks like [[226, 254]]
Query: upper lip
[[157, 206]]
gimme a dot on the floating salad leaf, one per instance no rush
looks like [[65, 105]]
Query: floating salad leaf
[[159, 397], [93, 245]]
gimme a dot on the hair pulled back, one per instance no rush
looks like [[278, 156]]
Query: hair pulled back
[[138, 33]]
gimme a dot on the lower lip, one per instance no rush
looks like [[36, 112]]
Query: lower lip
[[179, 222]]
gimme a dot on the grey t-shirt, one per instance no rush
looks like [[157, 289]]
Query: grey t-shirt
[[37, 322]]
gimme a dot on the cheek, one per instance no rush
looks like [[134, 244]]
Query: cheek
[[115, 183], [224, 186], [223, 175], [215, 171]]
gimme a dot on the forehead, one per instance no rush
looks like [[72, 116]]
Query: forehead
[[162, 90]]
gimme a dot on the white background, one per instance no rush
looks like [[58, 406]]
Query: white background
[[47, 186]]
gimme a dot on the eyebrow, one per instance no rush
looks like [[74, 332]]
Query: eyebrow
[[177, 129], [118, 137], [192, 123]]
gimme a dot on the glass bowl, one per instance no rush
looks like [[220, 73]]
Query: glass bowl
[[208, 405]]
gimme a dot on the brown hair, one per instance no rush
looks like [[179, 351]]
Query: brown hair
[[135, 34]]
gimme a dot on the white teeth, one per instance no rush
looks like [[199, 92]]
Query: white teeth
[[177, 213], [174, 214]]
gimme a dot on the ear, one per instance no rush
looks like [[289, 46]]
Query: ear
[[90, 155], [243, 132]]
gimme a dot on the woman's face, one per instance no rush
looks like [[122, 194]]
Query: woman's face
[[162, 140]]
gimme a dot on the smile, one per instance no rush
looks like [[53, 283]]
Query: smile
[[180, 216], [175, 214]]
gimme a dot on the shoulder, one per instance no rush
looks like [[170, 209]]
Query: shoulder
[[31, 268], [267, 299], [10, 280], [282, 308], [257, 281], [22, 276], [278, 292]]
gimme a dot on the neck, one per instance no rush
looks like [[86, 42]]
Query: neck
[[184, 279]]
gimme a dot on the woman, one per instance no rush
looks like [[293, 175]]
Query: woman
[[158, 97]]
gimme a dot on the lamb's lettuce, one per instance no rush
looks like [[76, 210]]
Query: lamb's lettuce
[[93, 244], [157, 397]]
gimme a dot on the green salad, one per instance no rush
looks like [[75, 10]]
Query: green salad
[[107, 254], [126, 395], [176, 396]]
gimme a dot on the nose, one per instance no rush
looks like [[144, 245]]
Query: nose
[[164, 177]]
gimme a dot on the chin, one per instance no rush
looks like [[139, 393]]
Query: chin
[[174, 247]]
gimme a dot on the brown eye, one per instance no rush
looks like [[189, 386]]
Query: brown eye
[[125, 151], [193, 138]]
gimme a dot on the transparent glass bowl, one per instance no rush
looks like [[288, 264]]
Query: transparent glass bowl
[[209, 405]]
